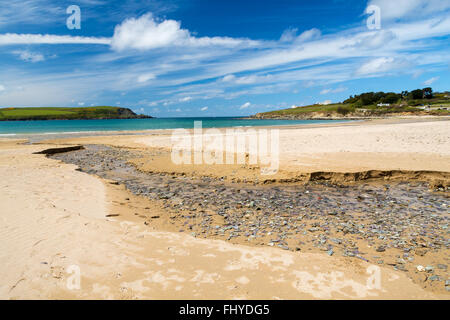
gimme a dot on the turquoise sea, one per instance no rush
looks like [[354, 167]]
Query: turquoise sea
[[11, 128]]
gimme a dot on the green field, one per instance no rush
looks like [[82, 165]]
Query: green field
[[366, 104], [38, 113], [309, 109]]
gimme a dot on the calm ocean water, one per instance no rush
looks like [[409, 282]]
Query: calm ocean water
[[11, 128]]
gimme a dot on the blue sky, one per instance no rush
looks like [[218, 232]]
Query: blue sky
[[218, 58]]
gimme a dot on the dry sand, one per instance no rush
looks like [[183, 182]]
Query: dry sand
[[421, 150], [53, 216]]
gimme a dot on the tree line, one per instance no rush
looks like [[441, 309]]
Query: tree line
[[369, 98]]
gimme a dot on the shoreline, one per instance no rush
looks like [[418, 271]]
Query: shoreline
[[128, 131], [331, 122]]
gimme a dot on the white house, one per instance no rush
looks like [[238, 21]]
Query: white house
[[383, 105]]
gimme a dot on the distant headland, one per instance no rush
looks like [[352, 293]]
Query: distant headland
[[82, 113], [368, 105]]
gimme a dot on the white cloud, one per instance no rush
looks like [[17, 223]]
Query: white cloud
[[326, 102], [400, 39], [81, 104], [374, 40], [145, 77], [29, 12], [2, 88], [34, 92], [409, 8], [245, 105], [380, 65], [28, 56], [251, 79], [290, 35], [185, 99], [145, 33], [14, 38], [337, 90], [142, 33], [204, 109], [248, 79], [193, 70], [430, 81], [309, 35], [229, 78]]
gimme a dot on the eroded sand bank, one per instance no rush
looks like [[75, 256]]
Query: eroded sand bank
[[53, 217]]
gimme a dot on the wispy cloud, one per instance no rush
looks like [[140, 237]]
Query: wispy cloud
[[409, 8], [336, 90], [250, 79], [430, 81], [245, 105], [381, 65], [17, 39], [146, 77], [29, 56], [190, 66], [290, 35], [185, 99], [21, 12]]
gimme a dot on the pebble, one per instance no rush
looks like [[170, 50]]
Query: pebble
[[435, 278]]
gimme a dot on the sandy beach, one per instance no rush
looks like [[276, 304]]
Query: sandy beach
[[59, 212], [345, 147]]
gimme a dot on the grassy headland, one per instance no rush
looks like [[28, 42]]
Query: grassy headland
[[371, 105], [38, 113]]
